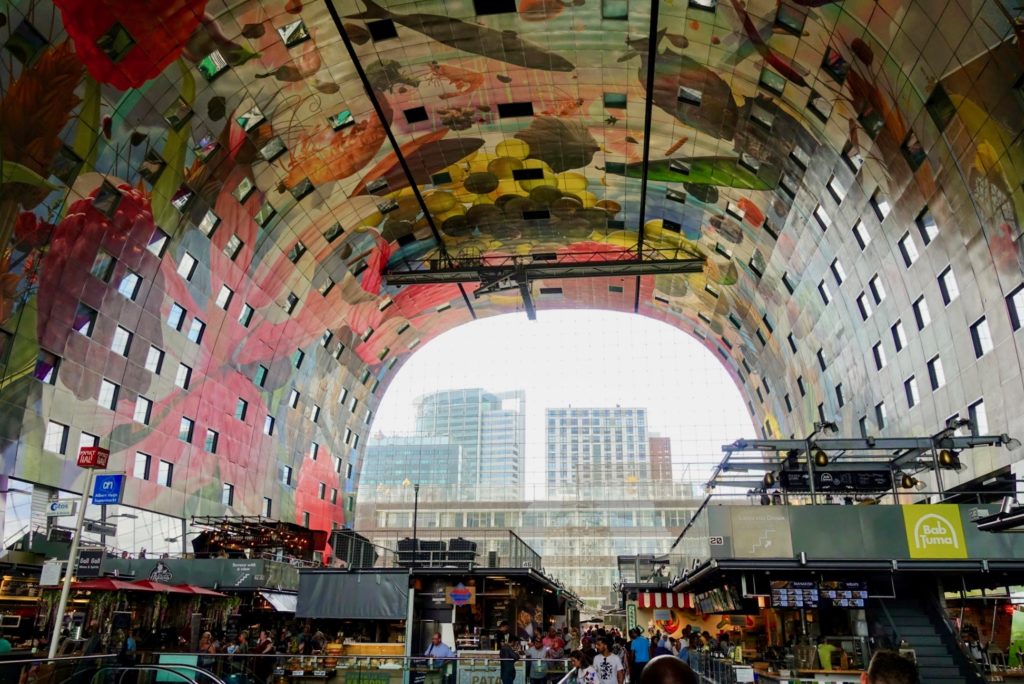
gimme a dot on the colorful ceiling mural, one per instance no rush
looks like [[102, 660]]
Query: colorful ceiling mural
[[229, 183]]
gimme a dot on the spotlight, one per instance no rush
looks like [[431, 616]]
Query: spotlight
[[820, 458], [907, 481], [949, 459], [1011, 443]]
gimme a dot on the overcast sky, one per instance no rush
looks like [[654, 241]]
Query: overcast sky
[[583, 358]]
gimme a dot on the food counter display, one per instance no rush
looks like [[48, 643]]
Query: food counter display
[[360, 663]]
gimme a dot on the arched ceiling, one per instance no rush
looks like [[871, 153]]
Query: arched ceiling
[[260, 138]]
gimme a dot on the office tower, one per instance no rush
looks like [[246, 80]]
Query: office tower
[[595, 446]]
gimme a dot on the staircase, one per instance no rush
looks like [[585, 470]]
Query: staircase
[[939, 657]]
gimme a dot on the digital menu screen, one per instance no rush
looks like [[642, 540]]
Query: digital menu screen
[[844, 594], [795, 594]]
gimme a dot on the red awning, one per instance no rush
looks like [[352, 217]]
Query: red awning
[[109, 584], [199, 591], [160, 586], [664, 600]]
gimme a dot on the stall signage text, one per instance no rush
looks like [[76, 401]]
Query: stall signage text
[[93, 457], [934, 531]]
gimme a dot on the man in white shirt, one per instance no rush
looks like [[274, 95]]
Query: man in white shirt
[[607, 665]]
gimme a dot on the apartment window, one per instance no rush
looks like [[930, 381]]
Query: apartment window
[[122, 341], [186, 428], [293, 399], [821, 412], [296, 252], [157, 242], [85, 320], [233, 247], [268, 425], [926, 226], [880, 415], [981, 336], [935, 373], [314, 450], [348, 435], [789, 403], [155, 360], [86, 439], [103, 266], [863, 237], [321, 491], [176, 317], [143, 410], [821, 359], [245, 315], [836, 189], [47, 365], [196, 330], [910, 388], [227, 494], [165, 473], [908, 249], [786, 282], [947, 286], [285, 474], [978, 417], [326, 338], [314, 413], [877, 289], [837, 271], [141, 468], [822, 217], [862, 423], [305, 519], [899, 336], [334, 496], [224, 297], [261, 375], [291, 302], [826, 294], [921, 314], [878, 351], [241, 408], [56, 440], [792, 342], [108, 394], [864, 306], [183, 378], [1015, 305], [268, 507], [130, 284], [800, 386], [212, 440], [839, 395], [881, 205], [369, 414], [187, 266]]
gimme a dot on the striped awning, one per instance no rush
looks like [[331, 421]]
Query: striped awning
[[663, 600]]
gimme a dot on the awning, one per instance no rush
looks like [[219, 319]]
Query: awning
[[160, 586], [664, 600], [353, 595], [200, 591], [283, 603], [109, 584]]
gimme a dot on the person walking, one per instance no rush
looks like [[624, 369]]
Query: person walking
[[607, 665], [508, 657], [537, 655], [585, 673], [639, 654]]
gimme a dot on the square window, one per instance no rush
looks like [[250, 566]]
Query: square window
[[948, 286], [212, 439], [103, 266], [839, 395], [326, 287], [762, 116], [209, 223], [342, 119], [176, 316], [789, 404], [910, 389], [382, 29], [245, 315], [415, 115], [85, 320], [826, 295], [141, 468], [877, 289], [314, 413], [273, 149], [86, 439], [940, 107], [233, 247], [178, 114], [122, 341], [265, 215], [268, 507], [926, 226], [130, 284], [196, 330], [853, 159], [326, 338], [25, 43], [921, 314], [913, 151], [978, 417], [837, 271], [800, 156], [165, 473], [819, 105], [108, 394], [185, 429], [293, 33], [908, 250], [154, 360], [212, 66], [291, 302], [321, 491], [301, 189], [899, 337], [881, 205], [261, 375], [285, 475], [152, 166], [241, 408], [614, 100], [772, 82], [935, 373], [107, 199], [227, 494], [864, 306], [824, 220], [836, 189], [333, 232], [800, 386], [157, 243], [224, 297], [182, 198], [880, 415], [314, 450], [183, 378], [690, 96], [47, 365], [143, 410], [821, 359], [878, 351], [1015, 306], [293, 399], [56, 440], [296, 252], [298, 357], [981, 336], [834, 64], [863, 237]]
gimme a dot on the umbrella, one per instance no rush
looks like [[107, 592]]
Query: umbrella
[[109, 584], [200, 591], [160, 586]]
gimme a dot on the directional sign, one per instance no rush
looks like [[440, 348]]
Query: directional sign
[[62, 508], [94, 527], [89, 563], [107, 489]]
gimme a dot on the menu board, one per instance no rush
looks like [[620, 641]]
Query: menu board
[[844, 594], [794, 594]]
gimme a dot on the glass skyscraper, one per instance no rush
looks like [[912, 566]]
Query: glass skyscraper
[[595, 446]]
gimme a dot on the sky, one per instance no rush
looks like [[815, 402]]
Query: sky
[[584, 359]]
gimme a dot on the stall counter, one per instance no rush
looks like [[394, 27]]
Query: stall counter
[[801, 676]]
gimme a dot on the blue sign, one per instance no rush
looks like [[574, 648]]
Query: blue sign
[[107, 489]]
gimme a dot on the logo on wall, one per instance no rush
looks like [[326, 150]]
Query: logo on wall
[[161, 573], [934, 531], [461, 595]]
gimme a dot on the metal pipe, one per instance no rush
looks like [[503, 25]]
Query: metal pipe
[[69, 570], [652, 57]]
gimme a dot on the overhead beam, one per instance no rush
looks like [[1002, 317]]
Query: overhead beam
[[652, 58], [890, 444]]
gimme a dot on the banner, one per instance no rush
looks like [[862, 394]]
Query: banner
[[934, 531], [460, 595]]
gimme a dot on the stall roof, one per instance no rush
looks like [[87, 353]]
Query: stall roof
[[282, 603]]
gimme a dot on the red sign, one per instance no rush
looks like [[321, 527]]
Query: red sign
[[93, 457]]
